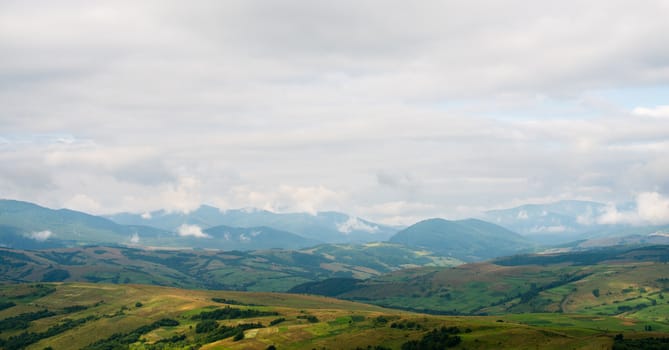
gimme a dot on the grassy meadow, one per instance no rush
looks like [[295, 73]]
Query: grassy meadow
[[286, 321]]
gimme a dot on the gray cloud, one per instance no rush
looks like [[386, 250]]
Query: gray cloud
[[390, 110]]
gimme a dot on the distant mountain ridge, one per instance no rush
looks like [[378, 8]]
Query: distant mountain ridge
[[25, 225], [567, 221], [330, 227], [565, 218], [43, 224], [468, 240], [566, 224], [239, 238]]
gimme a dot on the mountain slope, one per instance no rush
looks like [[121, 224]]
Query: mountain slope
[[329, 227], [25, 225], [468, 240], [44, 224]]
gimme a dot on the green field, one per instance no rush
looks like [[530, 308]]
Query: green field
[[631, 283], [567, 301], [308, 321]]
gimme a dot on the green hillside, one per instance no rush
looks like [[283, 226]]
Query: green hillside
[[265, 270], [101, 316], [63, 224], [468, 240], [629, 282]]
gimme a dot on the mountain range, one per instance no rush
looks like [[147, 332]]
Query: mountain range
[[567, 221], [565, 225], [29, 226], [330, 227]]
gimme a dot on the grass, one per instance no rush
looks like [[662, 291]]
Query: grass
[[114, 308], [630, 288]]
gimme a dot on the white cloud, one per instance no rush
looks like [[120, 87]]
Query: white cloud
[[134, 239], [41, 235], [286, 198], [549, 229], [184, 196], [401, 212], [651, 208], [312, 106], [355, 224], [83, 203], [186, 230], [612, 216], [655, 112]]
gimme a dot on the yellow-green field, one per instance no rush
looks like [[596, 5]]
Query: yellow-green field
[[337, 325]]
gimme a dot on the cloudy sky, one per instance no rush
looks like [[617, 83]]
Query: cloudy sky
[[390, 110]]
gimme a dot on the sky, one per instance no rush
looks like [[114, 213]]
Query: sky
[[394, 111]]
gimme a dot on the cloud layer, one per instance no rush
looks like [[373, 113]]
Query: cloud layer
[[651, 208], [41, 235], [392, 111], [186, 230]]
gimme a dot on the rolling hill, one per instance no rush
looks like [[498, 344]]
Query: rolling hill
[[265, 270], [100, 316], [620, 281], [468, 240]]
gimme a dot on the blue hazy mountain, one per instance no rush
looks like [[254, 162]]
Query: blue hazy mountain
[[251, 238], [26, 225], [557, 222], [47, 226], [573, 221], [329, 227]]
